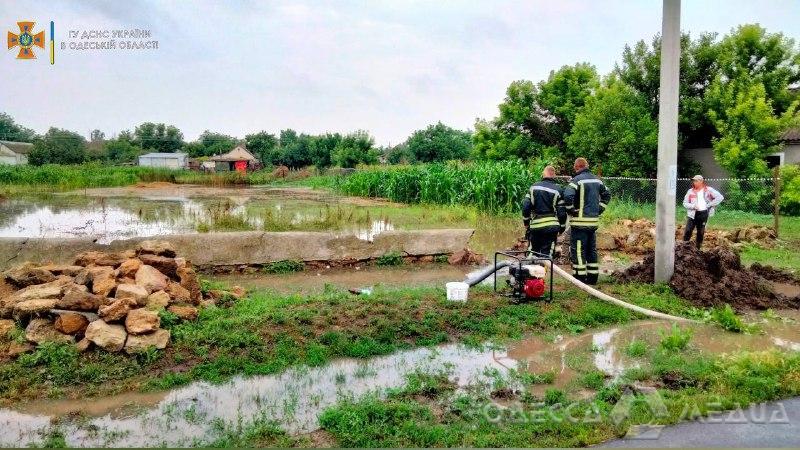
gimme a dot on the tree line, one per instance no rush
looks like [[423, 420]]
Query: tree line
[[738, 93]]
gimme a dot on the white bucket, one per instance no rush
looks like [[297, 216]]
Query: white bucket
[[457, 291]]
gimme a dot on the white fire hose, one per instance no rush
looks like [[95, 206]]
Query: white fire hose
[[584, 287]]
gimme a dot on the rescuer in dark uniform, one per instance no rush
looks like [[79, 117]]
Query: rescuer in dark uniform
[[585, 198], [543, 213]]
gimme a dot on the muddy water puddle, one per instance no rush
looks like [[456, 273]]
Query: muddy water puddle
[[195, 414], [312, 281], [157, 209]]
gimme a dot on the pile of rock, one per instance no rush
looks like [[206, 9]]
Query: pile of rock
[[111, 300]]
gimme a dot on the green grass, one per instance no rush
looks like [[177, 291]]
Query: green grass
[[390, 259], [694, 384], [54, 177], [636, 349], [59, 178], [269, 332], [676, 339], [785, 255], [726, 318], [285, 266]]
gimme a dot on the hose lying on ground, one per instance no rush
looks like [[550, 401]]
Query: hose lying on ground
[[483, 274]]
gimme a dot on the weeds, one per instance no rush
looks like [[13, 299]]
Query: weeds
[[727, 318], [693, 386], [676, 339], [636, 349], [390, 259], [284, 267]]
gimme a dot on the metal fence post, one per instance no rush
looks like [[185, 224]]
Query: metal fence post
[[776, 179]]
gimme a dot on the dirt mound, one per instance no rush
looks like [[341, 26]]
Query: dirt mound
[[774, 274], [638, 236], [711, 278]]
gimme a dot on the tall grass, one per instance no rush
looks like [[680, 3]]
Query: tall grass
[[58, 177], [496, 187], [54, 177]]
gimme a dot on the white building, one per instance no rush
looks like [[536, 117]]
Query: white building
[[168, 160], [14, 153]]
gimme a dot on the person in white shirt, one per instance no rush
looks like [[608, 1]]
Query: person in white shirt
[[700, 202]]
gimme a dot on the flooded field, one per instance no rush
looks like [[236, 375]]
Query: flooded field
[[200, 412], [158, 209]]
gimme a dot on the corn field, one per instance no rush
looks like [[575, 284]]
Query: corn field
[[496, 187]]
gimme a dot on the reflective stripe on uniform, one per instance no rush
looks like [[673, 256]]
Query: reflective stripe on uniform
[[544, 222], [593, 268], [545, 189], [582, 195]]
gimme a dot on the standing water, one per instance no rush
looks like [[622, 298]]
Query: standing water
[[195, 414]]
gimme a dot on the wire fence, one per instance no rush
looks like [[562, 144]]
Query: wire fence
[[751, 195]]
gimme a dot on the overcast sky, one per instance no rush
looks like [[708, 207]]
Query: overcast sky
[[390, 67]]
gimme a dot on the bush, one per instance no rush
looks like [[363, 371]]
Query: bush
[[790, 190]]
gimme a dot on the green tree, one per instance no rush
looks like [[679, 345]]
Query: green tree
[[158, 137], [399, 154], [771, 59], [749, 129], [322, 147], [11, 131], [439, 143], [750, 102], [640, 69], [615, 129], [122, 148], [264, 145], [210, 143], [58, 146], [354, 149], [535, 119], [563, 95]]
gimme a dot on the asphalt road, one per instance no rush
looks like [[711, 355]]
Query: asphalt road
[[767, 425]]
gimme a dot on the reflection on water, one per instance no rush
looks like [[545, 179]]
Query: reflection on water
[[294, 399], [184, 416], [120, 213]]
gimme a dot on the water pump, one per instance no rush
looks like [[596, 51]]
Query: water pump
[[529, 279]]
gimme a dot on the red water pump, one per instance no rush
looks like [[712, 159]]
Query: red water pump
[[528, 281]]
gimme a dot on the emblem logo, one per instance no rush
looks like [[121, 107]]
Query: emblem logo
[[26, 40]]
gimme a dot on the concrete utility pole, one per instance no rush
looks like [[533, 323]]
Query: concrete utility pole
[[668, 139]]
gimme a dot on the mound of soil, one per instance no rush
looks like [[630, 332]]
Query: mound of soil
[[711, 278], [774, 274]]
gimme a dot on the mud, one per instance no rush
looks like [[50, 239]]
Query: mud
[[774, 274], [711, 278], [358, 277], [190, 415]]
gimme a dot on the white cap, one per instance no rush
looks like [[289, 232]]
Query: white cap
[[697, 178]]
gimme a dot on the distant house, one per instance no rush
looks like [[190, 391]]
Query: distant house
[[168, 160], [14, 153], [238, 159], [789, 154]]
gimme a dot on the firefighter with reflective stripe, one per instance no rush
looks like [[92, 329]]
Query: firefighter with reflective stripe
[[543, 214], [585, 198]]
